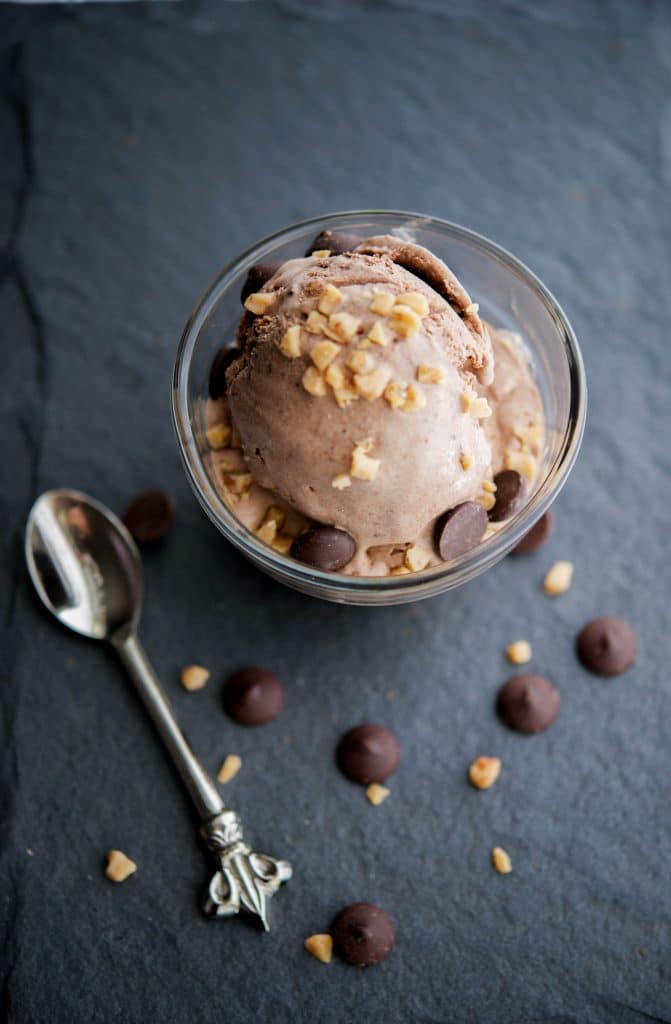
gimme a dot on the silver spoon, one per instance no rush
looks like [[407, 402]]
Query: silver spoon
[[87, 571]]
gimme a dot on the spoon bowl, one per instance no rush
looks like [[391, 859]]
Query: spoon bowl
[[84, 564]]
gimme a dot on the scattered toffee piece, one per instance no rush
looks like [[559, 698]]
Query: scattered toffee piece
[[511, 490], [528, 703], [368, 753], [253, 696], [459, 529], [257, 277], [220, 363], [607, 646], [363, 934], [536, 537], [336, 243], [324, 547], [149, 516]]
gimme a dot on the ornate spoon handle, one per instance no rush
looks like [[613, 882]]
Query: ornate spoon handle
[[244, 880]]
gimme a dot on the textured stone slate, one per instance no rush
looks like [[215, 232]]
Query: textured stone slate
[[142, 146]]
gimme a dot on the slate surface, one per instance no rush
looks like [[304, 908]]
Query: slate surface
[[143, 147]]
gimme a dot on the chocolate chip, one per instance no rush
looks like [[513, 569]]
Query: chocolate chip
[[363, 934], [459, 529], [257, 277], [536, 536], [324, 547], [528, 703], [511, 490], [253, 696], [336, 243], [368, 753], [149, 516], [607, 646], [221, 362]]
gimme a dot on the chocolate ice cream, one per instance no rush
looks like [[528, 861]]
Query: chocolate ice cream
[[368, 397]]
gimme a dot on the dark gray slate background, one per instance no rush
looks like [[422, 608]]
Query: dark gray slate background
[[140, 148]]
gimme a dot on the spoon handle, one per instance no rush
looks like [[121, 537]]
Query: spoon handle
[[200, 786]]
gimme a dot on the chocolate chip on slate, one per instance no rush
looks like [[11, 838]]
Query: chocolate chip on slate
[[324, 547], [607, 646], [149, 516], [368, 753], [221, 362], [257, 277], [536, 537], [528, 703], [363, 934], [511, 491], [459, 529], [253, 696], [336, 243]]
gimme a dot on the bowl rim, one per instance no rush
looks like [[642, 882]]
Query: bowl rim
[[437, 578]]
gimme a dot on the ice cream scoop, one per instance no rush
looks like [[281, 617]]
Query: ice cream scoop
[[355, 395]]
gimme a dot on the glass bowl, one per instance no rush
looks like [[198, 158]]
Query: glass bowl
[[509, 295]]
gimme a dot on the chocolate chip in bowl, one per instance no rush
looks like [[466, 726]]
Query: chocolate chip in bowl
[[460, 529], [324, 547], [607, 646], [224, 358], [511, 494], [253, 696], [256, 278], [334, 242]]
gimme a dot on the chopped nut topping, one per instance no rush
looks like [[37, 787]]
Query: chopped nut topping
[[480, 409], [501, 861], [363, 467], [375, 793], [467, 399], [282, 543], [322, 253], [344, 325], [466, 461], [259, 302], [416, 558], [530, 437], [395, 394], [341, 481], [361, 362], [329, 300], [267, 531], [484, 771], [379, 334], [519, 653], [275, 515], [383, 303], [345, 395], [415, 300], [313, 382], [316, 322], [371, 385], [486, 500], [230, 767], [489, 486], [523, 462], [335, 376], [119, 866], [290, 345], [558, 578], [237, 483], [218, 436], [323, 353], [194, 677], [321, 947], [415, 399], [405, 321], [472, 308], [399, 570], [364, 343], [430, 374]]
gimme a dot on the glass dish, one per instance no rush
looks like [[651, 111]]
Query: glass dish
[[509, 295]]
